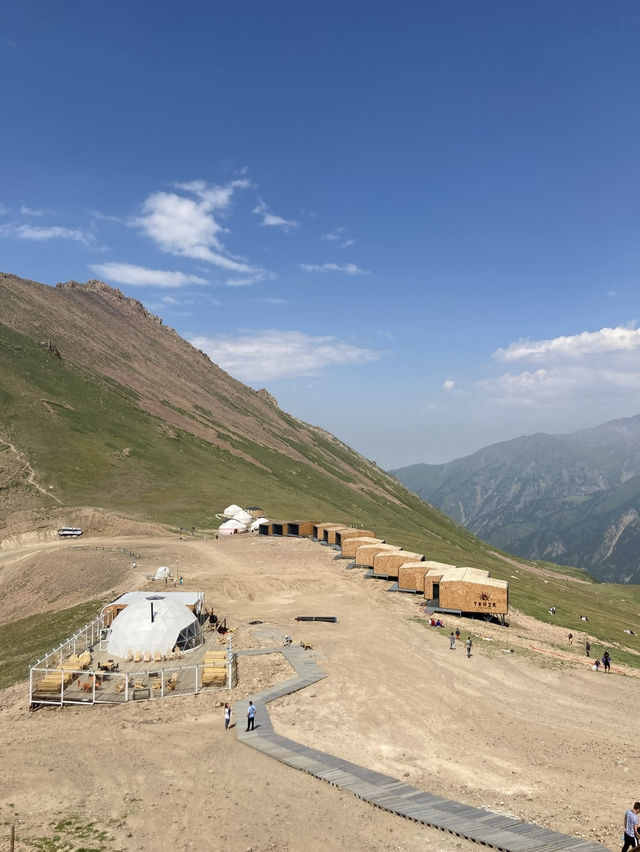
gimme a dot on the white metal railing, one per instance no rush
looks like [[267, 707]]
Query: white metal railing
[[50, 684], [82, 640]]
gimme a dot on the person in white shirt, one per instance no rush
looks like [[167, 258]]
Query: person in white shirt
[[631, 820]]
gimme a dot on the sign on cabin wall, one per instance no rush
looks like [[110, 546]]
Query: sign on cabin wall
[[485, 602]]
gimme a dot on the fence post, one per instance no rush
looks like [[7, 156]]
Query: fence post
[[229, 661]]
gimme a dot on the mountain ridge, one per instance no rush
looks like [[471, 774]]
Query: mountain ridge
[[132, 418], [572, 498]]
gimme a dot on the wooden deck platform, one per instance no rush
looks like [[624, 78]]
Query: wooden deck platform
[[481, 826]]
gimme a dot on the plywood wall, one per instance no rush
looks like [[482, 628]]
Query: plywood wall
[[389, 563], [366, 552]]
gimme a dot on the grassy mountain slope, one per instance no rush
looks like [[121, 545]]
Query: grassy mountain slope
[[572, 498], [133, 419]]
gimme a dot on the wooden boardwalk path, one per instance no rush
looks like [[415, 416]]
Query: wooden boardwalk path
[[482, 826]]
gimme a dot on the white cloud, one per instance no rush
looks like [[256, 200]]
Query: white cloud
[[338, 234], [349, 268], [140, 276], [573, 346], [270, 219], [567, 376], [240, 282], [269, 355], [333, 235], [30, 232], [186, 227], [216, 197], [448, 384], [245, 281], [29, 211], [106, 217], [271, 300]]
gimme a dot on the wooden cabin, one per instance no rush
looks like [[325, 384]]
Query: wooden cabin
[[366, 553], [319, 529], [351, 532], [466, 590], [272, 528], [411, 574], [351, 544], [300, 528], [331, 535], [388, 564], [411, 577]]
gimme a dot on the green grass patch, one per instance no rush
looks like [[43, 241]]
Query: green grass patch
[[24, 641], [74, 834]]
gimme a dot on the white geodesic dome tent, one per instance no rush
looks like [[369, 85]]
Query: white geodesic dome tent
[[173, 624]]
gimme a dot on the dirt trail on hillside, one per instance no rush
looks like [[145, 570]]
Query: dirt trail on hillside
[[32, 477], [529, 734]]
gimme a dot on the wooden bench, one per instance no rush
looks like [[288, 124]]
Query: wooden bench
[[211, 656], [214, 675], [48, 686]]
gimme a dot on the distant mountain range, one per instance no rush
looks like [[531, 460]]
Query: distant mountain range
[[573, 499]]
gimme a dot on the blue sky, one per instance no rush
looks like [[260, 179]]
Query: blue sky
[[415, 223]]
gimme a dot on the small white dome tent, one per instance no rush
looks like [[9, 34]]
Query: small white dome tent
[[255, 526], [231, 527], [154, 623], [231, 510], [162, 572], [242, 516]]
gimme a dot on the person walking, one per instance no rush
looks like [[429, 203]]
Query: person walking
[[606, 661], [227, 716], [251, 716], [570, 637], [631, 819], [469, 645], [587, 648], [452, 641]]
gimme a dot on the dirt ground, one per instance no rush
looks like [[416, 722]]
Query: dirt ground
[[524, 727]]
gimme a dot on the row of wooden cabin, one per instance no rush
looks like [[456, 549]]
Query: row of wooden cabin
[[446, 588]]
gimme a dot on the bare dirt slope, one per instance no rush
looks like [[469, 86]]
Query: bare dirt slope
[[534, 733]]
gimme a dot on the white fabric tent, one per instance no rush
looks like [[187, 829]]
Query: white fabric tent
[[254, 527], [242, 516], [231, 510], [162, 572], [232, 526], [173, 624]]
